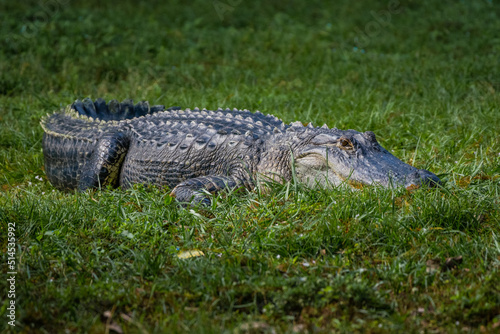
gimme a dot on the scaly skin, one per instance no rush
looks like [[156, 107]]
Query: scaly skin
[[93, 144]]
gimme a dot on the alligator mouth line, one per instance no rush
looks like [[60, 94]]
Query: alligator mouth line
[[352, 183], [355, 184], [346, 180]]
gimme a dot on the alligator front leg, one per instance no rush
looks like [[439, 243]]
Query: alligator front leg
[[194, 190], [103, 168]]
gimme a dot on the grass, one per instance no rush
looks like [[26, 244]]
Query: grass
[[297, 259]]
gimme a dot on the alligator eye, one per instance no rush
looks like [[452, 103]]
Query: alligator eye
[[345, 144]]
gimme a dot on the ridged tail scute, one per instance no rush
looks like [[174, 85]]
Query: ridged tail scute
[[114, 110]]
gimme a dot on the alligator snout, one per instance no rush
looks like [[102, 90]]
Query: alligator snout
[[423, 176]]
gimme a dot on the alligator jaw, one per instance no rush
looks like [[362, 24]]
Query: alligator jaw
[[330, 177], [394, 174], [325, 164]]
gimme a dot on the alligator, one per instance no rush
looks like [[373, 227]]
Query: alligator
[[92, 144]]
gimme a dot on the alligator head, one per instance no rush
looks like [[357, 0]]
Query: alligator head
[[332, 156]]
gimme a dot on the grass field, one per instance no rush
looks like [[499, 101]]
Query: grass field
[[424, 76]]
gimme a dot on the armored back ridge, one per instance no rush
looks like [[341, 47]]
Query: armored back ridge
[[94, 144]]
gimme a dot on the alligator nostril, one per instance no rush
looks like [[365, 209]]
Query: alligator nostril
[[429, 178], [370, 136]]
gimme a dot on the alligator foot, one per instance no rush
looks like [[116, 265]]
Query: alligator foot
[[194, 191], [103, 168]]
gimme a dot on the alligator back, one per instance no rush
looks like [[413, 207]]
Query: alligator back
[[142, 144]]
